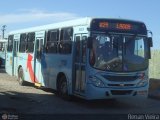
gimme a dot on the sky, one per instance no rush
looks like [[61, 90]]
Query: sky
[[19, 14]]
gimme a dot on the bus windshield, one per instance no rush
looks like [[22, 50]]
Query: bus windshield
[[119, 53]]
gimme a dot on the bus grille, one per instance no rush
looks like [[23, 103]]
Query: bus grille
[[120, 85], [120, 78], [121, 92]]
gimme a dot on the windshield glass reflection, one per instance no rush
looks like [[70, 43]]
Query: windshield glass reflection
[[118, 53]]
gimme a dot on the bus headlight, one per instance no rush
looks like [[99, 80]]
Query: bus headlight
[[97, 82], [142, 83]]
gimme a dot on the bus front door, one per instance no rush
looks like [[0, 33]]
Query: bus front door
[[80, 64], [15, 54], [39, 42]]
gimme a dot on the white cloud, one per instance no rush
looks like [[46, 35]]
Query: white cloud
[[33, 15]]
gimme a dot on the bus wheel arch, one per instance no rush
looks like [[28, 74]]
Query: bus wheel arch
[[19, 68], [21, 76], [62, 86]]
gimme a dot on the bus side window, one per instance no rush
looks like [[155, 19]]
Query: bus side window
[[52, 41], [65, 46], [10, 43], [30, 42], [23, 43]]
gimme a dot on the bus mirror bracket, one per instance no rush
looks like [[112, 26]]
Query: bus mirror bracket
[[89, 42], [149, 53]]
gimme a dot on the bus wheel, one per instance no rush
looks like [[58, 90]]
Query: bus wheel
[[21, 77], [63, 89]]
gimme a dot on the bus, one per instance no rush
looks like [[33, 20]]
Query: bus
[[92, 58], [3, 44]]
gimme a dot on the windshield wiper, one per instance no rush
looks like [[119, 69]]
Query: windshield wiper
[[112, 64]]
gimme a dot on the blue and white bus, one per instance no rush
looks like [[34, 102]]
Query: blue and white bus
[[93, 58], [3, 45]]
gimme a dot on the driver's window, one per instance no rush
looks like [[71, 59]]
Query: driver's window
[[139, 47]]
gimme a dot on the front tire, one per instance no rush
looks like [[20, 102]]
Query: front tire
[[63, 88]]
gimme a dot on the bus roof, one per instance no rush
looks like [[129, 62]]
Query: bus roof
[[76, 22]]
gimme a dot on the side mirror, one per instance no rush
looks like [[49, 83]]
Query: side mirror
[[89, 42], [150, 44], [150, 41]]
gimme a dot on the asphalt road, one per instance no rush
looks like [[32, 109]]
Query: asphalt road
[[28, 99]]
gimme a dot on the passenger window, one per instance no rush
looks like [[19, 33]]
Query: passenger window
[[52, 41], [30, 42], [27, 42], [10, 43], [23, 43], [65, 46]]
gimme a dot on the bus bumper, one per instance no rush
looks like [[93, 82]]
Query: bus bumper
[[93, 92]]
